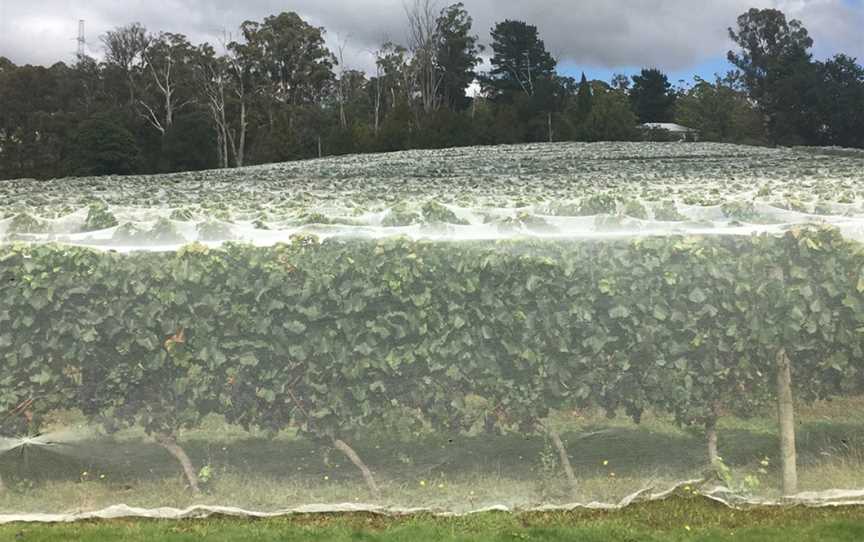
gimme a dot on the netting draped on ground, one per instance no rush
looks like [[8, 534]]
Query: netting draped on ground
[[572, 343]]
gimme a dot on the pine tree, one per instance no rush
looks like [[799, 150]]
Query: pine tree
[[652, 96], [519, 60], [584, 101]]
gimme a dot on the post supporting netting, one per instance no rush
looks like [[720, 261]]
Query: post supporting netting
[[349, 452], [563, 457], [786, 418], [711, 437], [169, 442]]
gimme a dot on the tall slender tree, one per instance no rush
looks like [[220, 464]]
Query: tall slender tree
[[423, 41], [241, 66], [584, 101], [458, 55], [212, 77]]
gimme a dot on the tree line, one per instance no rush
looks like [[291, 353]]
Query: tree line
[[157, 102]]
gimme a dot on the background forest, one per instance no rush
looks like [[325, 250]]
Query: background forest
[[274, 92]]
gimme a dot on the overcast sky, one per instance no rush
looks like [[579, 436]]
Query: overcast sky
[[599, 36]]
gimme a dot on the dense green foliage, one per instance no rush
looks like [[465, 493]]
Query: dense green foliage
[[519, 61], [278, 93], [801, 99], [458, 55], [102, 147], [340, 336], [721, 112], [652, 96]]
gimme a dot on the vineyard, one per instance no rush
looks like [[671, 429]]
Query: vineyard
[[517, 326]]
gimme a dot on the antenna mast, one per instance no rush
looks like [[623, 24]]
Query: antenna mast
[[82, 42]]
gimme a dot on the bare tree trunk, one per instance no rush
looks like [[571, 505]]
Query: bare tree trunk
[[169, 442], [377, 102], [711, 434], [221, 145], [241, 148], [343, 447], [343, 121], [562, 455], [238, 147], [320, 152], [2, 485], [169, 110], [786, 418], [549, 120], [422, 35], [219, 156], [224, 131], [379, 90], [132, 97], [211, 79], [711, 437]]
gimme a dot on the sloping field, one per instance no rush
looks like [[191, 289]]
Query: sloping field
[[540, 190]]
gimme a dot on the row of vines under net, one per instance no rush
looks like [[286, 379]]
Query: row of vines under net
[[422, 373]]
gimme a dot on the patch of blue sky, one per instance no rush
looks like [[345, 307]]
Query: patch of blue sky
[[682, 77]]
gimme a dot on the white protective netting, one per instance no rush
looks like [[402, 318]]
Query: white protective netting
[[512, 327]]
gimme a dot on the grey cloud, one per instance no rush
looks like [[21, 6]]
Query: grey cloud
[[670, 34]]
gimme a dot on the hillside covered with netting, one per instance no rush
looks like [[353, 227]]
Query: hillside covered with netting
[[521, 327]]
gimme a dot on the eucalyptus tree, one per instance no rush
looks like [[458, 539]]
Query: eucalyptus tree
[[776, 65], [167, 84], [291, 69], [458, 54], [125, 49]]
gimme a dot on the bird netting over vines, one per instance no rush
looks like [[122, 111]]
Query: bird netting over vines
[[526, 326]]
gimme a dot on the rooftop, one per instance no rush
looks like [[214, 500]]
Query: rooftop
[[672, 127]]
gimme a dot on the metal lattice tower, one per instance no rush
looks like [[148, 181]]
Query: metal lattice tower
[[82, 42]]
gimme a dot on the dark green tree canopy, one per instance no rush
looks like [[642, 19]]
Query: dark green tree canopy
[[458, 55], [6, 64], [290, 57], [104, 147], [776, 68], [584, 100], [610, 119], [720, 111], [125, 49], [189, 144], [519, 60], [767, 41], [842, 101], [652, 96]]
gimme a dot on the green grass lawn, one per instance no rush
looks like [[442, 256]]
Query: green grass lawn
[[672, 519]]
